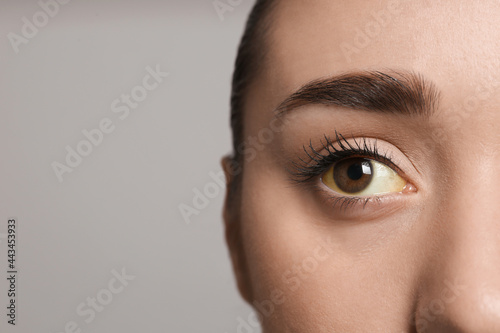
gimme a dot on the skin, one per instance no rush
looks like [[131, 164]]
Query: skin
[[422, 261]]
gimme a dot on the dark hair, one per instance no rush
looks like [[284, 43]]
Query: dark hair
[[251, 54]]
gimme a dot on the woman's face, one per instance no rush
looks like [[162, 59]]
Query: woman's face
[[373, 205]]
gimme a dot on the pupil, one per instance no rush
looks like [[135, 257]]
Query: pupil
[[355, 171]]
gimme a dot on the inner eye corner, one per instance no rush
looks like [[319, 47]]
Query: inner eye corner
[[409, 188]]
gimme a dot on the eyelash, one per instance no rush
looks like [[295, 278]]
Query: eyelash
[[307, 173]]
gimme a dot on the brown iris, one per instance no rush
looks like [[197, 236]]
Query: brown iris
[[353, 175]]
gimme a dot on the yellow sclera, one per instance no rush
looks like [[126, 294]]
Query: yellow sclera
[[383, 180]]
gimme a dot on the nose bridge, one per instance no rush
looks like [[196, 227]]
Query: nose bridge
[[461, 292]]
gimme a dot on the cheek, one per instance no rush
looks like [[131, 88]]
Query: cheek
[[309, 274]]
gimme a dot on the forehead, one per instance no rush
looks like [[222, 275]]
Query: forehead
[[454, 44]]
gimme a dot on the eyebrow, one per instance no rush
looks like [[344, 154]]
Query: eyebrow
[[405, 93]]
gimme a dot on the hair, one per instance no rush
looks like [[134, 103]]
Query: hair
[[251, 54]]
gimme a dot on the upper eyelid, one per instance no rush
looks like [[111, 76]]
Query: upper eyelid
[[305, 172], [374, 149]]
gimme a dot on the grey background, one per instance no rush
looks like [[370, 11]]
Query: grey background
[[120, 207]]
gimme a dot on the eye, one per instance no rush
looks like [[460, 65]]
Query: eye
[[362, 177]]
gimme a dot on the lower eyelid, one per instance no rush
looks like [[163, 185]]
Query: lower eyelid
[[361, 208]]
